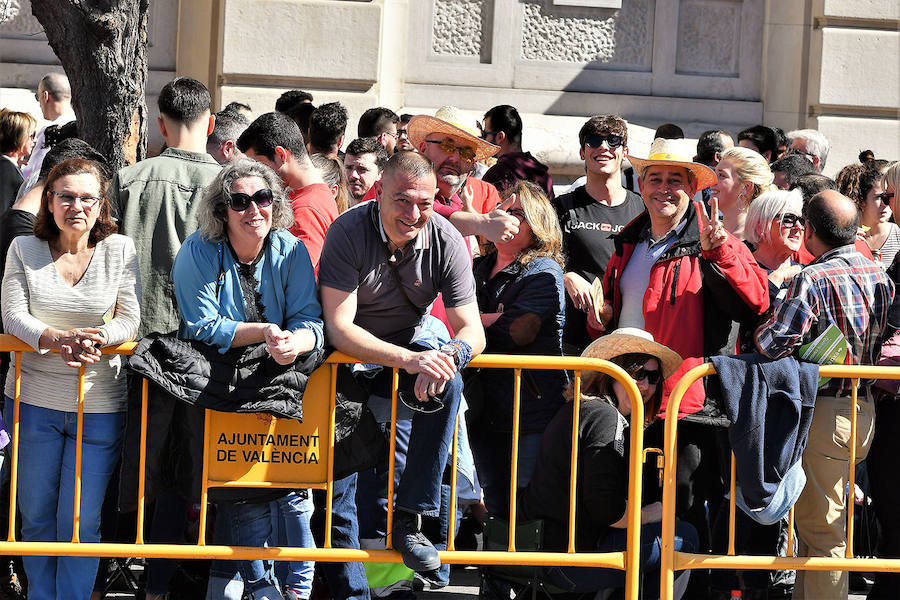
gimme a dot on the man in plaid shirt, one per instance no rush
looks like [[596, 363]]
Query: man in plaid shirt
[[843, 288]]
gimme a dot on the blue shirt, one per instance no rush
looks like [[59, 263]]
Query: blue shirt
[[210, 300]]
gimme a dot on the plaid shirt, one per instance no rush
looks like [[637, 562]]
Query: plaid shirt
[[841, 287]]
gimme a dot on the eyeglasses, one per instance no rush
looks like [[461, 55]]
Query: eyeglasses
[[789, 220], [517, 213], [596, 140], [67, 200], [402, 133], [240, 202], [448, 146], [799, 152], [651, 375], [885, 197]]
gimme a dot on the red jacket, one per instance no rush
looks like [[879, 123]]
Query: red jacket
[[695, 299]]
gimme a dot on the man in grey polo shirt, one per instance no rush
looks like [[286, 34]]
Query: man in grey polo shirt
[[382, 266]]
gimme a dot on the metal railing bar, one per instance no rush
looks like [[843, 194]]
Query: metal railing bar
[[573, 464]]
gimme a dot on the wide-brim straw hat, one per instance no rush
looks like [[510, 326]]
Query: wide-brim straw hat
[[449, 120], [673, 153], [630, 340]]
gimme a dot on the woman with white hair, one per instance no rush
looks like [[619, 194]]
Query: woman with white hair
[[742, 176], [774, 227], [243, 279]]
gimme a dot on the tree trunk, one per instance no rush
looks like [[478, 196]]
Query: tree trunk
[[102, 45]]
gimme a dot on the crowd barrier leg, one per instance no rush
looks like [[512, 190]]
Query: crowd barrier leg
[[14, 468]]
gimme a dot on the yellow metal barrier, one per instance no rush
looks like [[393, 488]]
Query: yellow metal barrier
[[671, 561], [224, 466]]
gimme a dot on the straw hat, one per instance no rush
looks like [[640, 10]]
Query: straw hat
[[674, 153], [451, 121], [628, 340]]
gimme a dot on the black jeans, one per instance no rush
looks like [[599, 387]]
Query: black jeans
[[885, 491], [699, 488]]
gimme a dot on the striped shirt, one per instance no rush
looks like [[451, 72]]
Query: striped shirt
[[35, 297], [840, 287], [885, 255]]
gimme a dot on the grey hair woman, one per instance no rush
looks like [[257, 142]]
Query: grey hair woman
[[264, 293], [775, 226], [213, 212]]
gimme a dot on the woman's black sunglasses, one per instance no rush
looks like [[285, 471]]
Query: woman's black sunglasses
[[240, 202], [652, 376]]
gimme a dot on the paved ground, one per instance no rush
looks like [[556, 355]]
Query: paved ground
[[463, 586]]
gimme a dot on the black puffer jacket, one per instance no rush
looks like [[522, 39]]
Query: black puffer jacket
[[185, 378], [243, 380]]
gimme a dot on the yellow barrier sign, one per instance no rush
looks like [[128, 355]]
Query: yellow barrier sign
[[256, 448]]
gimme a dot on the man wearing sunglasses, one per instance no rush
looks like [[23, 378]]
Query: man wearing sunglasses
[[829, 292], [454, 147], [502, 127], [274, 139], [590, 216], [811, 144]]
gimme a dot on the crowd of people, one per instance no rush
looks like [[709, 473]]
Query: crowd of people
[[253, 245]]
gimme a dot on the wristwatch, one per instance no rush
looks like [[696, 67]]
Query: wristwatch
[[452, 352]]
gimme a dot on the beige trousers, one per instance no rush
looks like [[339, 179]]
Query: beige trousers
[[820, 511]]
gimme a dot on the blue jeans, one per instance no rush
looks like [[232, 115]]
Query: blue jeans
[[246, 524], [292, 517], [46, 496], [430, 438], [346, 580], [371, 497], [583, 580]]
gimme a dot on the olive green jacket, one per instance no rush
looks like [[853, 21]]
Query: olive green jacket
[[156, 201]]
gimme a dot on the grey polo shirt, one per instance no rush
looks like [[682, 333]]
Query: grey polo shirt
[[636, 276], [354, 259]]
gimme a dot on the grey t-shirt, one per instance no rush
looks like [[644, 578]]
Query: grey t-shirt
[[354, 260]]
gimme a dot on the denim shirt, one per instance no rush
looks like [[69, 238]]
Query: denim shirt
[[523, 290], [155, 202], [208, 288]]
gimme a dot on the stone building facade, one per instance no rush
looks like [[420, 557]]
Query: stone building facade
[[833, 65]]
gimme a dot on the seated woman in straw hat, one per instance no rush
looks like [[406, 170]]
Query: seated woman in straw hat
[[603, 434]]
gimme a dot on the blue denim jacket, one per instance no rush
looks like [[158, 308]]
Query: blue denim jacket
[[210, 300], [526, 293]]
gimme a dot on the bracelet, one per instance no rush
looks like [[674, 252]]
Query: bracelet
[[460, 350]]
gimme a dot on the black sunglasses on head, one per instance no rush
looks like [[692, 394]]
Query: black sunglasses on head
[[596, 140], [240, 202]]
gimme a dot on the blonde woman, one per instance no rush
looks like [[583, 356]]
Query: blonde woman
[[519, 286], [16, 144], [742, 176]]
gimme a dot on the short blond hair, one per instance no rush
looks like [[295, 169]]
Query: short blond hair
[[750, 166]]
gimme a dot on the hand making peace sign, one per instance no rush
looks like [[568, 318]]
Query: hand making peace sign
[[712, 232]]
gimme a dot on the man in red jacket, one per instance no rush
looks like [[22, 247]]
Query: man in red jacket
[[680, 275]]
